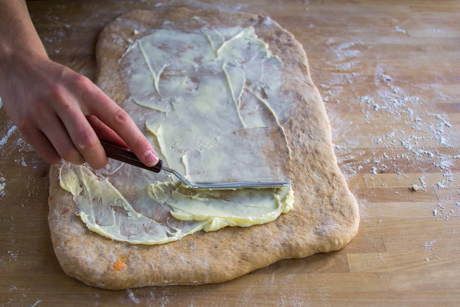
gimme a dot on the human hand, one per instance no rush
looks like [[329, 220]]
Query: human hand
[[62, 114]]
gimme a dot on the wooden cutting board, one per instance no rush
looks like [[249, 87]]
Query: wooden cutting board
[[388, 73]]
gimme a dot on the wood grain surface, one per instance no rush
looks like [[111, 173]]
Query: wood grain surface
[[389, 74]]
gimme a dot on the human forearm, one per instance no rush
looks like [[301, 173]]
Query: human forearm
[[17, 33], [59, 112]]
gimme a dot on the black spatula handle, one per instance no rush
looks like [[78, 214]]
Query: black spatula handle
[[123, 154]]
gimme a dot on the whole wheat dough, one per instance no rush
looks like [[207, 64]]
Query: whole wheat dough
[[325, 215], [209, 101]]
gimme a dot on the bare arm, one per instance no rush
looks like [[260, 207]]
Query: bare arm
[[59, 112]]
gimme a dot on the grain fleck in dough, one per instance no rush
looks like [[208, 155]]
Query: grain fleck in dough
[[325, 215]]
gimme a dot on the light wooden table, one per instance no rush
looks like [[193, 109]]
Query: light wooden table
[[389, 74]]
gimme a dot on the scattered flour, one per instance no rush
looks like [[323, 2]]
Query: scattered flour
[[132, 298], [405, 129], [422, 182], [428, 246], [13, 254], [398, 29], [36, 303], [2, 186], [7, 136]]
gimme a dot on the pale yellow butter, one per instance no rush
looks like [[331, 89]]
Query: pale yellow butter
[[213, 105]]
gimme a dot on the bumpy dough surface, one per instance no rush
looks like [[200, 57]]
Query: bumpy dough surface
[[324, 216]]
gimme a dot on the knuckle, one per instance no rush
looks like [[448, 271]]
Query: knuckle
[[81, 82], [98, 164], [55, 91], [65, 107], [142, 143], [52, 159], [120, 116], [71, 155], [57, 95], [137, 140], [25, 125], [88, 141]]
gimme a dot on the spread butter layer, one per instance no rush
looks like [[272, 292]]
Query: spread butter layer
[[211, 103]]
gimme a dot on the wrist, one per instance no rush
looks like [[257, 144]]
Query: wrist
[[22, 48], [12, 60], [18, 37]]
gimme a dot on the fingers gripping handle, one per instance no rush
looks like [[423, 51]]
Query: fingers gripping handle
[[125, 155]]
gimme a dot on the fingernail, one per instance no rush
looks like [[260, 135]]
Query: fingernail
[[150, 158]]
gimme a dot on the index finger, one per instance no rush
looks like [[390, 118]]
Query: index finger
[[117, 119]]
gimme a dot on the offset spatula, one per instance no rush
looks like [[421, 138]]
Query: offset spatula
[[125, 155]]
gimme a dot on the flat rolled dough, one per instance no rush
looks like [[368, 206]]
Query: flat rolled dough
[[325, 215]]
